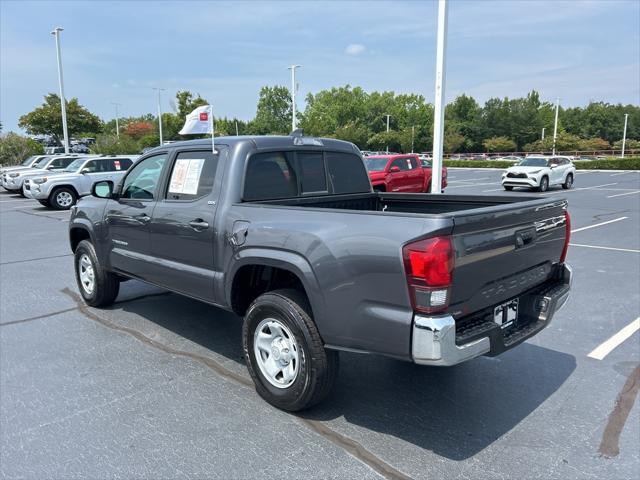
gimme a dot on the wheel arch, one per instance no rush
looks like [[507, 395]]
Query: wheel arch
[[257, 271]]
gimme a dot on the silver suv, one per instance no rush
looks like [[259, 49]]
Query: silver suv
[[13, 180], [62, 189]]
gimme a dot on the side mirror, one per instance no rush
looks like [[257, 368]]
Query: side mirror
[[394, 169], [102, 189], [50, 167], [84, 171], [553, 166]]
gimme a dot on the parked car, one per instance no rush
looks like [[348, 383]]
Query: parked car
[[400, 173], [508, 158], [540, 173], [26, 163], [13, 181], [288, 233], [62, 189]]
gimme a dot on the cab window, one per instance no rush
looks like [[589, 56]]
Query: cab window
[[192, 175], [142, 181], [269, 176], [313, 177], [401, 163]]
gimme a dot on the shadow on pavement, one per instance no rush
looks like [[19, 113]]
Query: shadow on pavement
[[454, 412]]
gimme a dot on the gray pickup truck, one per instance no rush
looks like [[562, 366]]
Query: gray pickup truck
[[288, 233]]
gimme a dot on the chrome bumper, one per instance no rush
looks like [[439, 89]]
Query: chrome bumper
[[434, 338]]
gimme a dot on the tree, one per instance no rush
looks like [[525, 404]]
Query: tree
[[499, 144], [112, 145], [273, 115], [137, 130], [383, 140], [452, 142], [354, 133], [15, 148], [47, 119], [628, 145], [595, 144]]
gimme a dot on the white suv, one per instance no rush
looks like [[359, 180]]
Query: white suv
[[540, 172]]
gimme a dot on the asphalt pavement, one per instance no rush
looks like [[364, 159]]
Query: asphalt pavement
[[155, 386]]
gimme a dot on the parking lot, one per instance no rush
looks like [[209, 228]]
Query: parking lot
[[156, 387]]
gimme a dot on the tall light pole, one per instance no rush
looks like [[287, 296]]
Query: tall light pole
[[159, 112], [438, 123], [56, 33], [543, 128], [413, 134], [294, 90], [555, 126], [117, 125], [388, 116], [624, 134]]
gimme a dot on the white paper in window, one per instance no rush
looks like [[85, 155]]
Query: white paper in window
[[186, 176]]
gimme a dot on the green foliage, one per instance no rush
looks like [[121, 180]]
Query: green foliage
[[499, 144], [595, 144], [47, 119], [390, 140], [453, 142], [111, 145], [273, 115], [628, 145], [564, 142], [627, 163], [478, 163], [15, 148], [152, 140]]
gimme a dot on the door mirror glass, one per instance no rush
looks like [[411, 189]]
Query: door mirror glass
[[85, 170], [102, 189], [394, 169]]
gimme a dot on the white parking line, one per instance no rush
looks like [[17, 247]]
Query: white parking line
[[13, 201], [493, 190], [621, 173], [556, 192], [623, 194], [630, 250], [598, 224], [607, 347], [470, 186]]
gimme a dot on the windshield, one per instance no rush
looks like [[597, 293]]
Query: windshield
[[375, 164], [534, 162], [40, 163], [75, 165], [28, 161]]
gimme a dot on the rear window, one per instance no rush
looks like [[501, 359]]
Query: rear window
[[270, 176], [313, 177], [274, 175], [347, 173], [120, 164]]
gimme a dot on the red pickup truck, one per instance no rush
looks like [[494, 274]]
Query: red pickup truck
[[401, 173]]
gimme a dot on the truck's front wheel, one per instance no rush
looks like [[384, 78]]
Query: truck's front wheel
[[285, 355], [97, 286]]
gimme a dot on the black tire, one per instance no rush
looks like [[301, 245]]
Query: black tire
[[568, 182], [58, 198], [544, 184], [378, 188], [317, 368], [508, 188], [106, 284], [44, 203]]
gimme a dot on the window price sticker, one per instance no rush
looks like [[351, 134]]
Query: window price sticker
[[186, 176]]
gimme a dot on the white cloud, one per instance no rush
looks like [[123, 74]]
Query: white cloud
[[355, 49]]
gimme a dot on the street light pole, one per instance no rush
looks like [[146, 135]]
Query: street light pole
[[624, 134], [555, 126], [293, 95], [543, 133], [159, 112], [438, 124], [56, 33], [413, 134], [388, 116], [117, 125]]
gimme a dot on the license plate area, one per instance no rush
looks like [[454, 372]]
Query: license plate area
[[506, 314]]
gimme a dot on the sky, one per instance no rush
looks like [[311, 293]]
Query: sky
[[117, 51]]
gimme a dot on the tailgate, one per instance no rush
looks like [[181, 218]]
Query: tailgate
[[504, 250]]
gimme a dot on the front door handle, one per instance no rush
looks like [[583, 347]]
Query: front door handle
[[144, 218], [198, 224]]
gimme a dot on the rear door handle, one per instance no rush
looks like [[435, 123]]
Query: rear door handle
[[198, 224]]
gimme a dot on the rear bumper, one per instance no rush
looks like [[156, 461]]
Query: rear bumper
[[437, 340]]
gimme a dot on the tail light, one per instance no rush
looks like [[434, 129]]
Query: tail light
[[428, 265], [567, 236]]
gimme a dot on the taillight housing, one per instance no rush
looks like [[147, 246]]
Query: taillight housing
[[567, 236], [428, 266]]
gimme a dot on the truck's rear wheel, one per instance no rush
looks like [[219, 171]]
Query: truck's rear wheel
[[97, 286], [285, 355]]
